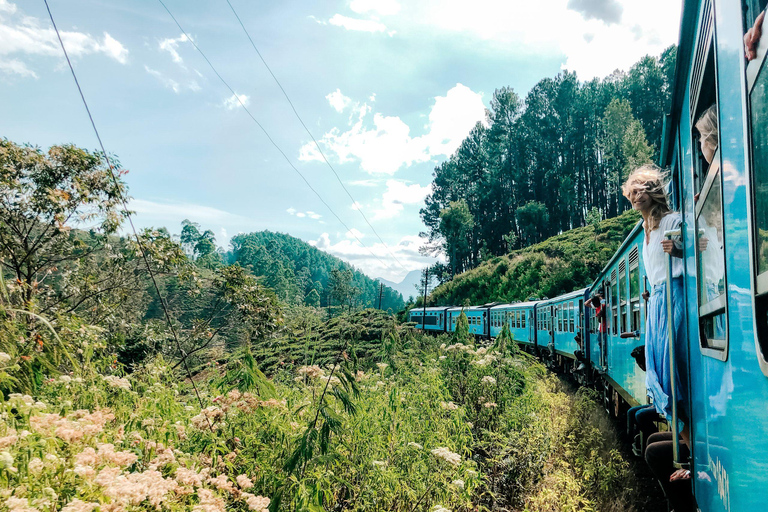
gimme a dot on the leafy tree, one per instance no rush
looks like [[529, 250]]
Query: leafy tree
[[530, 217], [341, 288], [42, 197], [456, 228]]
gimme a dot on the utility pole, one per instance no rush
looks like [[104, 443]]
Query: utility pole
[[424, 313], [381, 293]]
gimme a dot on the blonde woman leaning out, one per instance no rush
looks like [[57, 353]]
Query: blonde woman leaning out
[[645, 190]]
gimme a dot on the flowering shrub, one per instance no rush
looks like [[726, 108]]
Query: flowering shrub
[[96, 442]]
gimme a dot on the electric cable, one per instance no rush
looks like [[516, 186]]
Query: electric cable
[[317, 145], [126, 211], [266, 133]]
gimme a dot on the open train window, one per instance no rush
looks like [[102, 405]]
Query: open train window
[[708, 207], [622, 291], [634, 290]]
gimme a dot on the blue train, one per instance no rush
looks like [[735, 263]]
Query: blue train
[[724, 205]]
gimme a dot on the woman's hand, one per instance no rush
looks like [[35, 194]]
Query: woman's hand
[[680, 474], [752, 37], [668, 246]]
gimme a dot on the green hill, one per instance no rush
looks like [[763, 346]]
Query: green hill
[[559, 264], [302, 274]]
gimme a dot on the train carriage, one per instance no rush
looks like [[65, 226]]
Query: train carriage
[[434, 318], [518, 317], [477, 317], [622, 283], [567, 316]]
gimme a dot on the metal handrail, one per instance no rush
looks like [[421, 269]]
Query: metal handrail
[[672, 366]]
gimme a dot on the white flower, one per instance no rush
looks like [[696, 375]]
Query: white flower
[[382, 366], [488, 380], [415, 445], [449, 406], [4, 358], [66, 379], [379, 463], [117, 382], [440, 508], [447, 455], [458, 483], [6, 460]]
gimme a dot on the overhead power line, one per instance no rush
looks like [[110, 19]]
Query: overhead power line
[[127, 212], [317, 145], [266, 133]]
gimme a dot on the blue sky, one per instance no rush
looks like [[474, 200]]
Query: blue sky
[[388, 88]]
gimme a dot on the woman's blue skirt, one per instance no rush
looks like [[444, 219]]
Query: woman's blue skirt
[[658, 376]]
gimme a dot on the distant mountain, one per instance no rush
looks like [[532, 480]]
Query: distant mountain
[[407, 287]]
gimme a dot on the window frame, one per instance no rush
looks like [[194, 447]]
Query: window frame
[[759, 282], [720, 348]]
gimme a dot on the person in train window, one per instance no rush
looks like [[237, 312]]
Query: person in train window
[[645, 190], [597, 302], [710, 239]]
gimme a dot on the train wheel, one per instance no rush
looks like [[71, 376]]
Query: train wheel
[[617, 404]]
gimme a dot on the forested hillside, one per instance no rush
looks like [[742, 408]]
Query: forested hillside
[[545, 163], [302, 274], [560, 264]]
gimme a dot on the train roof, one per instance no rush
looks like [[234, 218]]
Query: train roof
[[467, 308], [565, 296], [432, 308], [517, 305]]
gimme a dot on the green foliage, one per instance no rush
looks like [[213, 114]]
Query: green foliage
[[293, 269], [560, 264], [543, 162]]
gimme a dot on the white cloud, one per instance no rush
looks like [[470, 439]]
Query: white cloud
[[310, 214], [16, 67], [235, 101], [406, 251], [364, 183], [356, 206], [167, 82], [388, 145], [399, 193], [27, 35], [172, 84], [354, 234], [115, 49], [172, 47], [357, 24], [383, 7], [552, 29], [6, 6], [338, 101]]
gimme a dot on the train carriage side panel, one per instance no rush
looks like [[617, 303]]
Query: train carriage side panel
[[567, 320], [725, 207], [622, 282]]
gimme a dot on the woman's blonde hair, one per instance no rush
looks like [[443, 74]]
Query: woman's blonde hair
[[706, 124], [650, 179]]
